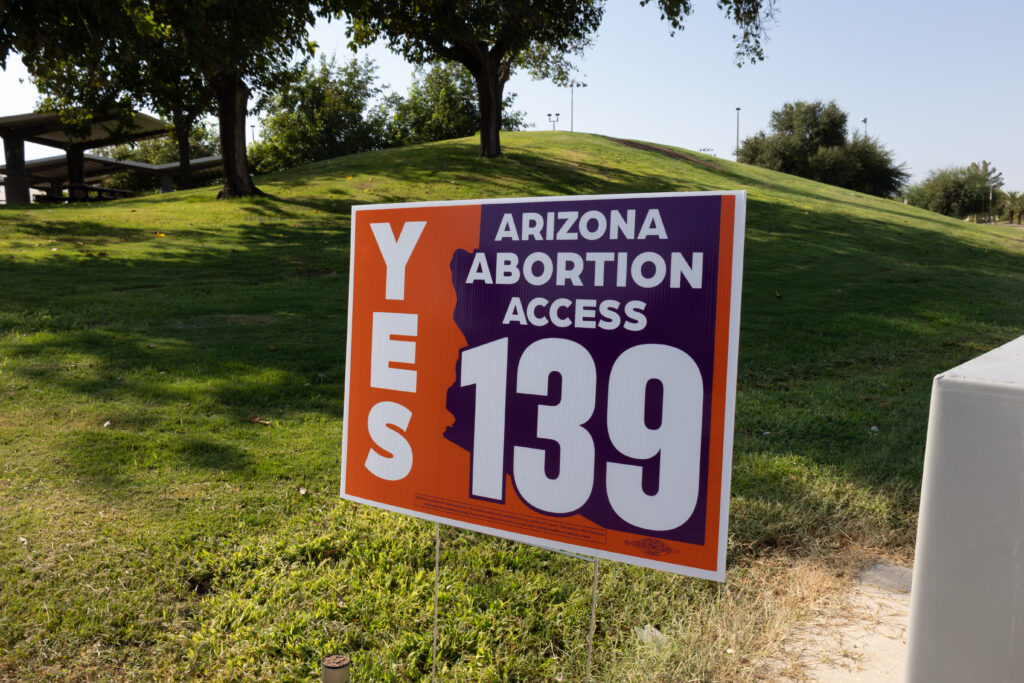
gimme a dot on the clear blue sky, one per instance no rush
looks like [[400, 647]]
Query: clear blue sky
[[940, 83]]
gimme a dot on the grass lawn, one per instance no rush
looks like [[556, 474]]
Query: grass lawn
[[171, 401]]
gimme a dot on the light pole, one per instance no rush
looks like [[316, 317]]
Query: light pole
[[553, 119], [572, 103], [252, 127], [865, 122], [737, 133]]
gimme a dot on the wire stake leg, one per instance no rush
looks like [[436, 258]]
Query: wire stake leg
[[593, 622], [437, 564]]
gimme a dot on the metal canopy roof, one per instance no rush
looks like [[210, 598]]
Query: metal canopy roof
[[43, 174], [46, 129]]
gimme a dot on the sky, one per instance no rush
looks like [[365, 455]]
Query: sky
[[938, 82]]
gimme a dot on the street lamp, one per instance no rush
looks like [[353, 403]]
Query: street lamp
[[572, 103], [737, 133], [252, 127], [553, 119], [865, 122]]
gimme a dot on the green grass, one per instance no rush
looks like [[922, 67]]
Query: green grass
[[153, 528]]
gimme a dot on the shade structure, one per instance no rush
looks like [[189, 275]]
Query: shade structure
[[46, 129], [51, 174]]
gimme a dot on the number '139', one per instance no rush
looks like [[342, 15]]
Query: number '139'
[[677, 437]]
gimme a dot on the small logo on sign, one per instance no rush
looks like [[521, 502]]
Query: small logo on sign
[[652, 547]]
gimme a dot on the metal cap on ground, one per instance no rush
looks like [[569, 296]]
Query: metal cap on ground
[[335, 668]]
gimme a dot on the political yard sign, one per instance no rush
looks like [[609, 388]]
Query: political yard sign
[[556, 370]]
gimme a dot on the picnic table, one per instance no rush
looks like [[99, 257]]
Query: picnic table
[[96, 193], [86, 193]]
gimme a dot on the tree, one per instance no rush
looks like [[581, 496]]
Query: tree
[[175, 89], [486, 38], [237, 45], [491, 39], [958, 191], [1014, 205], [876, 171], [323, 112], [809, 139], [57, 40], [798, 131], [136, 66], [442, 104]]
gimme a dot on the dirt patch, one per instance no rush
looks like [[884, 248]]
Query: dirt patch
[[857, 637], [670, 153]]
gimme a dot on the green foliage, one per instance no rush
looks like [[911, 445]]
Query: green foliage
[[72, 53], [127, 59], [92, 57], [238, 46], [958, 191], [489, 39], [425, 31], [330, 111], [1013, 205], [323, 111], [442, 104], [749, 16], [809, 139]]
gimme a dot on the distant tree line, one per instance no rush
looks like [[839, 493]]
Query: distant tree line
[[330, 110], [810, 140], [973, 191]]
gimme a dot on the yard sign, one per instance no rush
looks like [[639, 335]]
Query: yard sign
[[557, 370]]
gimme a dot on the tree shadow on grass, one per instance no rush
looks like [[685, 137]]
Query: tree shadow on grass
[[109, 460]]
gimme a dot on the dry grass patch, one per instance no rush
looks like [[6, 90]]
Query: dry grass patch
[[739, 627]]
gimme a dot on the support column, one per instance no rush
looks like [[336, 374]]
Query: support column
[[76, 174], [16, 184]]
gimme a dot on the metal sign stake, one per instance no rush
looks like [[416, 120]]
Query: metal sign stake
[[437, 564], [593, 621]]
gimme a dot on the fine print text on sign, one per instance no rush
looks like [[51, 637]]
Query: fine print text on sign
[[559, 371]]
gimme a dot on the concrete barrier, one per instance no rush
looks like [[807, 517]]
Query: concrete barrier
[[967, 603]]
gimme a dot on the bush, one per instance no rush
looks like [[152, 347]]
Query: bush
[[958, 191], [324, 112], [809, 139], [442, 104]]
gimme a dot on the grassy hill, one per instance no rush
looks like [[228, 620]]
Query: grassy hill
[[171, 388]]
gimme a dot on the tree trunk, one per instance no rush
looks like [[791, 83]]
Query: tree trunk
[[490, 76], [182, 128], [232, 98], [17, 187], [76, 174]]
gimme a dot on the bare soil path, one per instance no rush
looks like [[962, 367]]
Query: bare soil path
[[860, 637]]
